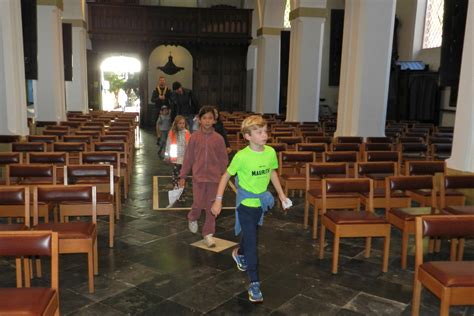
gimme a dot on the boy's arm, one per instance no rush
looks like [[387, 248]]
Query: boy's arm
[[276, 183], [188, 161], [216, 207]]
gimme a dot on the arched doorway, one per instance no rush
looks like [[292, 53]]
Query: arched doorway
[[120, 83]]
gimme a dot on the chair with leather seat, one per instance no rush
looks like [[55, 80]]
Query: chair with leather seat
[[72, 148], [102, 177], [379, 140], [278, 147], [441, 151], [290, 141], [431, 168], [48, 139], [74, 237], [32, 175], [58, 159], [79, 139], [319, 139], [28, 300], [456, 182], [15, 203], [351, 223], [7, 159], [349, 140], [26, 147], [317, 148], [349, 157], [315, 173], [404, 218], [291, 167], [413, 151], [451, 281]]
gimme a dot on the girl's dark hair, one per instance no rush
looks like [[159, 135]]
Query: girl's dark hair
[[207, 109]]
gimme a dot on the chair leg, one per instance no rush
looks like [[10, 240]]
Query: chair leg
[[461, 249], [453, 250], [90, 270], [39, 270], [96, 258], [386, 251], [26, 271], [322, 236], [306, 215], [19, 276], [335, 252], [437, 245], [444, 307], [431, 245], [415, 308], [111, 230], [368, 245], [404, 248], [315, 222]]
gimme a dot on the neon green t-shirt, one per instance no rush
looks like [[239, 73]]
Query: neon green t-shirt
[[254, 169]]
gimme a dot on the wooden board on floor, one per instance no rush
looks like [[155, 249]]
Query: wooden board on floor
[[221, 245]]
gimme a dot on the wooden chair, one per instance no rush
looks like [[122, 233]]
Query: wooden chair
[[26, 147], [451, 281], [290, 141], [102, 177], [33, 175], [319, 139], [456, 182], [349, 140], [441, 151], [278, 147], [404, 218], [15, 203], [79, 139], [431, 168], [377, 147], [379, 140], [315, 172], [349, 157], [7, 159], [374, 156], [352, 223], [58, 159], [317, 148], [291, 169], [58, 133], [48, 139], [30, 301], [74, 237]]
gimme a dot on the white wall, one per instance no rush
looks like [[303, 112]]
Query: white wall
[[181, 58]]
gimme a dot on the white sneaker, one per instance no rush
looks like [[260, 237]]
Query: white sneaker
[[193, 226], [209, 241]]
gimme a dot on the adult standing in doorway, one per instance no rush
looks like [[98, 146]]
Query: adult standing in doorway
[[160, 97], [183, 102]]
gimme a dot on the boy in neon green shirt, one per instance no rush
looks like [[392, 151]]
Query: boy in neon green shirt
[[255, 167]]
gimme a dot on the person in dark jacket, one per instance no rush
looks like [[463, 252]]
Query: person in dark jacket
[[183, 102], [219, 128]]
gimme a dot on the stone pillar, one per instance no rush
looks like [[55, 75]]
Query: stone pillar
[[365, 67], [462, 157], [76, 90], [306, 50], [13, 114], [50, 90], [270, 13]]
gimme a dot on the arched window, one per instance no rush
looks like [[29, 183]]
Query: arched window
[[286, 21], [433, 32]]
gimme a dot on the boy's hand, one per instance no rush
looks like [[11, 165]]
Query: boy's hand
[[216, 207], [181, 182], [285, 202]]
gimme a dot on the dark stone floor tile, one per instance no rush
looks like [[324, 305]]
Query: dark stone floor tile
[[104, 288], [134, 274], [203, 297], [374, 305], [133, 301], [304, 305], [97, 309], [71, 301], [170, 308], [323, 291], [236, 306]]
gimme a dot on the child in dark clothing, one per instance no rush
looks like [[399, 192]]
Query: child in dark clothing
[[206, 156]]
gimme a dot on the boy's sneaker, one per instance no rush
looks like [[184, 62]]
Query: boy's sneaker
[[209, 241], [193, 226], [239, 260], [255, 295]]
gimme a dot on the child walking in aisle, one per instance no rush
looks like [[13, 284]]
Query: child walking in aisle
[[255, 167], [206, 156], [176, 144]]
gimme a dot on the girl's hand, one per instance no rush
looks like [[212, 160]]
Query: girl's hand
[[216, 207], [181, 183]]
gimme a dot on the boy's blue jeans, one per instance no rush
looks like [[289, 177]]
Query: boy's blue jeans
[[249, 218]]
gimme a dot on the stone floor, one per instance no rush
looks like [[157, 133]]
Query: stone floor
[[153, 269]]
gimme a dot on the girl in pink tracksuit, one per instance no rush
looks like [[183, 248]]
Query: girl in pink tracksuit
[[206, 156]]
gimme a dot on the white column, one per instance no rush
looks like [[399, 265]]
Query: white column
[[76, 90], [13, 115], [268, 70], [365, 67], [462, 157], [252, 54], [306, 50], [50, 93]]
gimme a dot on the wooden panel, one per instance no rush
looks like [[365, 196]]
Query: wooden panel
[[30, 38], [335, 48], [67, 51], [454, 24]]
